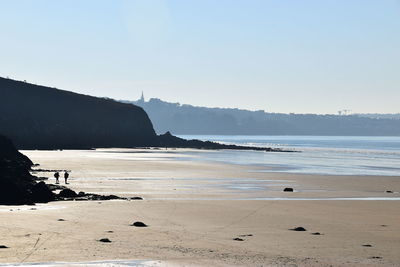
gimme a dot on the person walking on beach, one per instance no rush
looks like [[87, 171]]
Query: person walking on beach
[[57, 175], [66, 175]]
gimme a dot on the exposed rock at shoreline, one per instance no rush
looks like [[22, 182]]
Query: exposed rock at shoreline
[[19, 187], [169, 140]]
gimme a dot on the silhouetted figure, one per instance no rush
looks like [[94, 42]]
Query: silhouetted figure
[[57, 175], [66, 175]]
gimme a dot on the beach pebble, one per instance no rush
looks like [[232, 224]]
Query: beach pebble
[[288, 189], [139, 224], [136, 198], [316, 233], [105, 240], [299, 229], [2, 246], [367, 245], [238, 239], [389, 191], [61, 220]]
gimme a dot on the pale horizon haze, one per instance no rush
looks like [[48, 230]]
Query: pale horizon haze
[[279, 56]]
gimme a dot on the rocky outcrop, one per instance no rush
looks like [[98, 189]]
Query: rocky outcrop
[[17, 185], [169, 140]]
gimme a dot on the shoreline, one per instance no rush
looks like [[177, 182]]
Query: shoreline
[[205, 228]]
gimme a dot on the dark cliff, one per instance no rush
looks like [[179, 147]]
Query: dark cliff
[[39, 117]]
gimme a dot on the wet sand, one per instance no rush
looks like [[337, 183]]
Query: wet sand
[[195, 210]]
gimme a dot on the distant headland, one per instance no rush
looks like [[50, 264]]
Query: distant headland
[[184, 119]]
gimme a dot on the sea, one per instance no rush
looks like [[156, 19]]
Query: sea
[[333, 155]]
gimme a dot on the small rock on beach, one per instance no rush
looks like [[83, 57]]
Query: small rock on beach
[[298, 229], [139, 224]]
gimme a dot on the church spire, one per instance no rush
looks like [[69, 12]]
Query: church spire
[[142, 97]]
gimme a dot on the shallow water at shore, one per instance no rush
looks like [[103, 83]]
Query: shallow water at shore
[[336, 155], [181, 175], [109, 263]]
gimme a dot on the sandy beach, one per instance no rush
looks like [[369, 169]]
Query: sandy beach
[[196, 209]]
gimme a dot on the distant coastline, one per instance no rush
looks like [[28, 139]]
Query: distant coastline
[[182, 119]]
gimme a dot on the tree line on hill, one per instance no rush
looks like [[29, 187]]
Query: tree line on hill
[[193, 120]]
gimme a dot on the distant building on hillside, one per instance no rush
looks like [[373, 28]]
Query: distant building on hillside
[[141, 100]]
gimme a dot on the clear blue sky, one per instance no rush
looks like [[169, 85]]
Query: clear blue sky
[[280, 56]]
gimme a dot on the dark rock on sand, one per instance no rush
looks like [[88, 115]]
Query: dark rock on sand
[[67, 193], [316, 233], [17, 185], [105, 240], [2, 246], [299, 229], [139, 224], [136, 198], [238, 239], [61, 220], [288, 189], [54, 187], [41, 193], [367, 245], [389, 191], [97, 197]]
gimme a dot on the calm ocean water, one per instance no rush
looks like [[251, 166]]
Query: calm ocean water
[[337, 155]]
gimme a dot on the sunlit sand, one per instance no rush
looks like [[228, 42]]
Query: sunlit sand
[[203, 213]]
